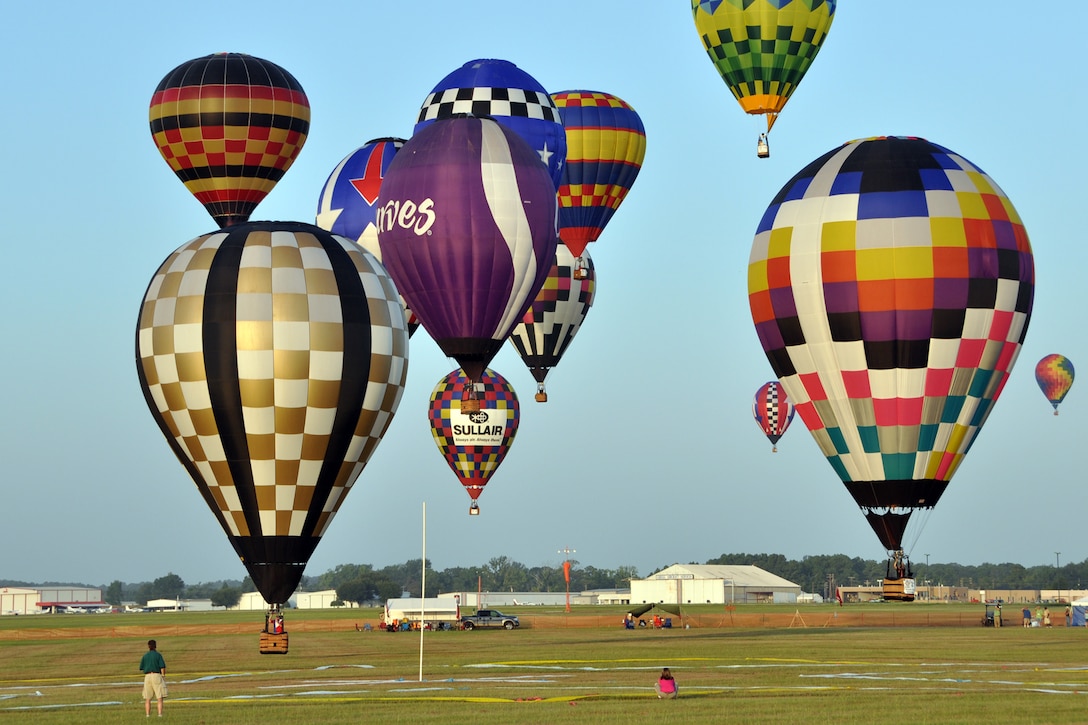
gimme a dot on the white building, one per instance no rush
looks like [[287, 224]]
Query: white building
[[315, 600], [16, 600], [713, 584], [254, 602]]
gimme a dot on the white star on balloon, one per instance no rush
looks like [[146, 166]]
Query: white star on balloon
[[545, 154]]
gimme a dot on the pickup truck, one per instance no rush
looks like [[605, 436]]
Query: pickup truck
[[489, 618]]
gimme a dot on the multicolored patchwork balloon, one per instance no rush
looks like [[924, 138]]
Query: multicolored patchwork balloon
[[229, 125], [273, 356], [606, 143], [474, 443], [762, 48], [1054, 374], [467, 230], [348, 204], [556, 315], [772, 410], [891, 284], [500, 90]]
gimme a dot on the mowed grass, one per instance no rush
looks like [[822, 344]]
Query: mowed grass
[[83, 669]]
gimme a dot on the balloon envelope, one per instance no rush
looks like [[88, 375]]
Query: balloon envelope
[[467, 231], [891, 283], [1054, 374], [551, 322], [229, 125], [273, 356], [762, 48], [772, 410], [474, 444], [500, 90], [606, 143], [348, 204]]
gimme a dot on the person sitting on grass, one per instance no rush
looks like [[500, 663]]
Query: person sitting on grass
[[666, 686]]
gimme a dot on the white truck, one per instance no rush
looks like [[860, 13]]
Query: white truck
[[432, 612]]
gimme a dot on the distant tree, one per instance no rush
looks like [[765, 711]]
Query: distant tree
[[115, 593], [386, 589], [226, 597], [358, 590], [170, 586]]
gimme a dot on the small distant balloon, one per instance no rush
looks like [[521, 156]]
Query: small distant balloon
[[474, 442], [229, 125], [772, 410], [1054, 373]]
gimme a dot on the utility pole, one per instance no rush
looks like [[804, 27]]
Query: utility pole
[[566, 551]]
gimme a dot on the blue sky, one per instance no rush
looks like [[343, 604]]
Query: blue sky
[[646, 453]]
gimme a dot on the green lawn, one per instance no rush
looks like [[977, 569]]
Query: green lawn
[[542, 674]]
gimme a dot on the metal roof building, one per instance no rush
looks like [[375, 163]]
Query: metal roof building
[[713, 584]]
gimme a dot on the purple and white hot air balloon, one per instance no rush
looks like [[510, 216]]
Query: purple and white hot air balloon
[[467, 227]]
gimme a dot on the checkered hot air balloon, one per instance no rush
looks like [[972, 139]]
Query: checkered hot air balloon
[[556, 315], [1054, 374], [467, 230], [891, 284], [606, 143], [772, 410], [762, 48], [474, 442], [229, 125], [273, 356]]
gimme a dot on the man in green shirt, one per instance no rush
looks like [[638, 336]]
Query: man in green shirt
[[154, 668]]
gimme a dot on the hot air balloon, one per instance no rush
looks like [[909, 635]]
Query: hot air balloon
[[1054, 373], [772, 410], [467, 231], [348, 204], [474, 442], [762, 48], [606, 144], [554, 318], [229, 125], [501, 91], [273, 357], [891, 284]]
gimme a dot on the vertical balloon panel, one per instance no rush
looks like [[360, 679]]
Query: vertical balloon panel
[[273, 356]]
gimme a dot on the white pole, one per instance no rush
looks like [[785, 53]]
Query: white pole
[[423, 593]]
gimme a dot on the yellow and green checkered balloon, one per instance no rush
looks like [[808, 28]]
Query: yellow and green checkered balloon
[[762, 48]]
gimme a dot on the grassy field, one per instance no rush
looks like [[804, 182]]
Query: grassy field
[[934, 664]]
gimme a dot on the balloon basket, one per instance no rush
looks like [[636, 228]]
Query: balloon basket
[[899, 590], [763, 149], [474, 509], [580, 273], [541, 397], [470, 405], [273, 644]]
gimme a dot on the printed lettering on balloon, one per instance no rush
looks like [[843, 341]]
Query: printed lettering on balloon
[[406, 214], [481, 428]]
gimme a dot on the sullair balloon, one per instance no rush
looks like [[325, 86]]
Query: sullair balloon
[[273, 356], [474, 442], [772, 410], [556, 315], [229, 125], [762, 48], [500, 90], [891, 283], [467, 230], [1054, 373], [606, 144], [348, 204]]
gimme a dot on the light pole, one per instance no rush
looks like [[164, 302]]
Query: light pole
[[566, 551]]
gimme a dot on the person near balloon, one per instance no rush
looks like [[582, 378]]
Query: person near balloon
[[153, 666], [666, 686], [1046, 616], [1027, 616]]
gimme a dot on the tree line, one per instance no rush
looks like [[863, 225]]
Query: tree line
[[363, 583]]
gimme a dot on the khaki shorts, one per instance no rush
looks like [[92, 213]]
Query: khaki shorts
[[154, 686]]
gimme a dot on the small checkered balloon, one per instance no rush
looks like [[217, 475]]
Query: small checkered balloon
[[891, 283], [273, 356]]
